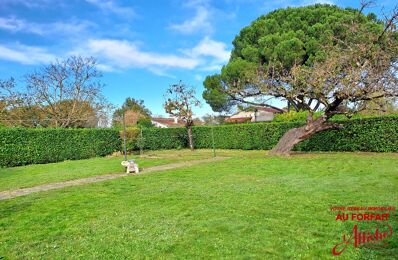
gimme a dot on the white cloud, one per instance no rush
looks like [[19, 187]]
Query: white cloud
[[28, 3], [116, 55], [125, 54], [210, 48], [198, 77], [216, 52], [15, 25], [112, 7], [27, 55], [211, 67], [12, 24], [199, 22], [312, 2]]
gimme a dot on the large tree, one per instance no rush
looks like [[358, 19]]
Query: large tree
[[318, 58], [66, 93], [180, 100]]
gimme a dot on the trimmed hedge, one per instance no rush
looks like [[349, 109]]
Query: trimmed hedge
[[259, 136], [379, 134], [165, 138], [21, 146]]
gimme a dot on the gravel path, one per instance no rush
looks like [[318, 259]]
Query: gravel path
[[9, 194]]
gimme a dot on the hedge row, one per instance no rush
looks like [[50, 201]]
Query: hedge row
[[21, 146], [371, 134], [379, 134]]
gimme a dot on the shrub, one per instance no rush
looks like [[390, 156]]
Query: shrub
[[132, 134], [378, 134], [21, 146], [165, 138], [293, 116], [241, 136]]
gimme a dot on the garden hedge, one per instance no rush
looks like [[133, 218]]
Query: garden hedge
[[379, 134], [21, 146]]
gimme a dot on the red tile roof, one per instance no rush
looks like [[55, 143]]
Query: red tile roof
[[168, 122], [269, 109], [238, 120]]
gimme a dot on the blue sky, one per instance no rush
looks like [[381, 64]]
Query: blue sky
[[142, 46]]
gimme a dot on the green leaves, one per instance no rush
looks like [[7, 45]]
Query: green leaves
[[21, 146], [214, 95], [378, 134]]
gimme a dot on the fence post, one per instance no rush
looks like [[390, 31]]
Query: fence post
[[212, 137], [124, 137], [141, 144]]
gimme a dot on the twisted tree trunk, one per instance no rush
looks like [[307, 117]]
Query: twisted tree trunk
[[299, 134]]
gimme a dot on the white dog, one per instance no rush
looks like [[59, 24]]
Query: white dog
[[131, 166]]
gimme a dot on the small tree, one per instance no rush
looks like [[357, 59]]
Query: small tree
[[180, 99], [134, 111]]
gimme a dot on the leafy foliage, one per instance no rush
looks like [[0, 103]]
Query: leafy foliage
[[318, 58], [282, 39], [180, 100], [135, 111], [21, 146], [293, 116], [165, 138], [378, 134], [382, 133]]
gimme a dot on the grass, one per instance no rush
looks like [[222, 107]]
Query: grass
[[249, 206], [33, 175]]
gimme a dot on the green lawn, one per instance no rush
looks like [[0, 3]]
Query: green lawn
[[33, 175], [249, 206]]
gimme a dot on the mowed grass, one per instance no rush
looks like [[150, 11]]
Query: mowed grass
[[249, 206], [33, 175]]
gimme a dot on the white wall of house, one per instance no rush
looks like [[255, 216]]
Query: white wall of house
[[159, 125], [262, 116]]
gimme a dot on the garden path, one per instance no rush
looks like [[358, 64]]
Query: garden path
[[9, 194]]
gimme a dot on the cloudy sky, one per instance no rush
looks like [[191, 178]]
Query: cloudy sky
[[142, 46]]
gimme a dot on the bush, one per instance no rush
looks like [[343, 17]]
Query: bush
[[132, 133], [378, 134], [293, 116], [21, 146], [165, 138], [261, 136]]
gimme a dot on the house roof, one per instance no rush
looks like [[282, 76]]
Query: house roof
[[238, 119], [242, 114], [168, 121], [269, 109]]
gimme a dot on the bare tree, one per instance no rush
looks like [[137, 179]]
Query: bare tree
[[180, 99], [16, 108], [65, 93]]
